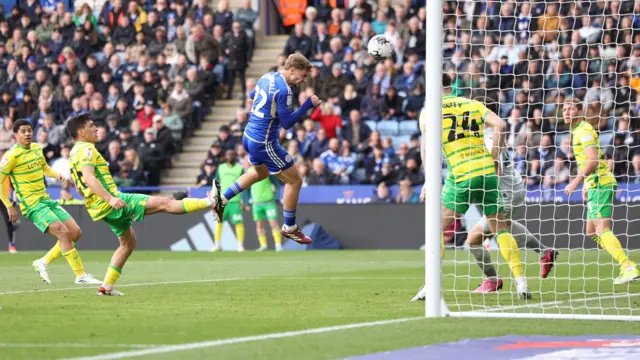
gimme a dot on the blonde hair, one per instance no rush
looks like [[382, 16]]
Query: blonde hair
[[297, 62]]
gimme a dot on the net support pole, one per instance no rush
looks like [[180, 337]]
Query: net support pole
[[432, 162]]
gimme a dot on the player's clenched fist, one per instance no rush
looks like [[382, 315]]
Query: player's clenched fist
[[117, 203], [315, 101]]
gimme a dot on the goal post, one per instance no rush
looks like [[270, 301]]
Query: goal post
[[581, 285], [432, 145]]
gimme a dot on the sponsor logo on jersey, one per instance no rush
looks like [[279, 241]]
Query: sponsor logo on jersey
[[88, 152]]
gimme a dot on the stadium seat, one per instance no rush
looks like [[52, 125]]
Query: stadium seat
[[606, 138], [397, 140], [409, 127], [371, 124], [388, 127]]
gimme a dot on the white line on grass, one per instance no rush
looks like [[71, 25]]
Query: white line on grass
[[239, 340], [557, 302], [124, 285], [204, 281], [72, 345]]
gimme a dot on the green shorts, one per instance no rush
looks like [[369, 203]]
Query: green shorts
[[266, 210], [600, 202], [233, 213], [120, 220], [45, 213], [482, 190]]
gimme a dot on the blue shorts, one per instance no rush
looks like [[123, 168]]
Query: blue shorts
[[271, 154]]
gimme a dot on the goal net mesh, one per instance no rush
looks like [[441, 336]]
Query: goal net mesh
[[524, 60]]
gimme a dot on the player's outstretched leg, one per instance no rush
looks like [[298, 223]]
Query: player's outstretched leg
[[492, 282], [526, 239], [119, 258], [293, 184]]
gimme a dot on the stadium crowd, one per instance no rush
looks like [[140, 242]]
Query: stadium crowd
[[521, 58], [147, 72]]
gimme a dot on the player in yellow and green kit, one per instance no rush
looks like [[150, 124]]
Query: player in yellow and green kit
[[26, 166], [227, 174], [599, 188], [264, 206], [472, 173], [104, 202]]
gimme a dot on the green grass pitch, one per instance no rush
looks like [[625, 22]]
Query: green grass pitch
[[180, 298]]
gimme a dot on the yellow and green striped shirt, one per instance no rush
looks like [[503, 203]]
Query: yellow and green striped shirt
[[85, 154], [26, 167], [463, 138], [583, 137]]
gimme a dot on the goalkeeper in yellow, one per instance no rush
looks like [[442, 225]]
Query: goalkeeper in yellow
[[599, 188], [118, 210], [26, 166], [472, 175]]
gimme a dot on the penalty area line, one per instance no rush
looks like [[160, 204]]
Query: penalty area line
[[78, 345], [239, 340]]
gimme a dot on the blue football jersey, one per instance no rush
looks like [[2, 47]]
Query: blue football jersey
[[271, 95]]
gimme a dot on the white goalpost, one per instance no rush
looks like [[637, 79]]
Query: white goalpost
[[581, 285]]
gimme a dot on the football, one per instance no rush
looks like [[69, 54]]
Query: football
[[380, 48]]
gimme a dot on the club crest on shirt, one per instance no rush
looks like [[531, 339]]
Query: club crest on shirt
[[4, 162], [88, 152]]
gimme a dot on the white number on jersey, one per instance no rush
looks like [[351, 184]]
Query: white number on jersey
[[259, 102]]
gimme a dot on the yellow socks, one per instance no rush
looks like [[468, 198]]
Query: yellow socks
[[240, 233], [510, 252], [53, 254], [262, 239], [277, 237], [217, 235], [611, 243], [191, 204], [113, 274], [74, 261]]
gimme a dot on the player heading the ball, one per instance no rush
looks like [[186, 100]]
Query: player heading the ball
[[271, 110]]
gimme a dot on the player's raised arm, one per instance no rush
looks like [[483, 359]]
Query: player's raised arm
[[288, 118], [92, 182]]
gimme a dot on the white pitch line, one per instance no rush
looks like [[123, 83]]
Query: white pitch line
[[557, 302], [202, 281], [239, 340], [72, 345], [124, 285]]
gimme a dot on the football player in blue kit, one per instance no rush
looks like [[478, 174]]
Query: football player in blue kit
[[271, 110]]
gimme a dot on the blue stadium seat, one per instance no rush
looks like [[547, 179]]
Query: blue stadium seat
[[409, 127], [388, 127], [606, 138], [371, 124], [397, 140]]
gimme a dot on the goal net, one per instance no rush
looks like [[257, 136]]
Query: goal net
[[524, 61]]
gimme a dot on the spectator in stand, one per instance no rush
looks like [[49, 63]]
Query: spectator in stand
[[48, 150], [320, 175], [331, 155], [299, 42], [153, 157], [557, 174], [114, 156], [320, 144], [406, 195], [373, 163], [225, 140], [383, 194], [145, 116], [328, 119], [208, 174], [173, 122], [215, 152], [164, 136], [412, 173], [247, 17], [372, 104], [199, 43], [236, 44], [392, 105], [62, 164], [181, 102], [6, 133], [347, 161]]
